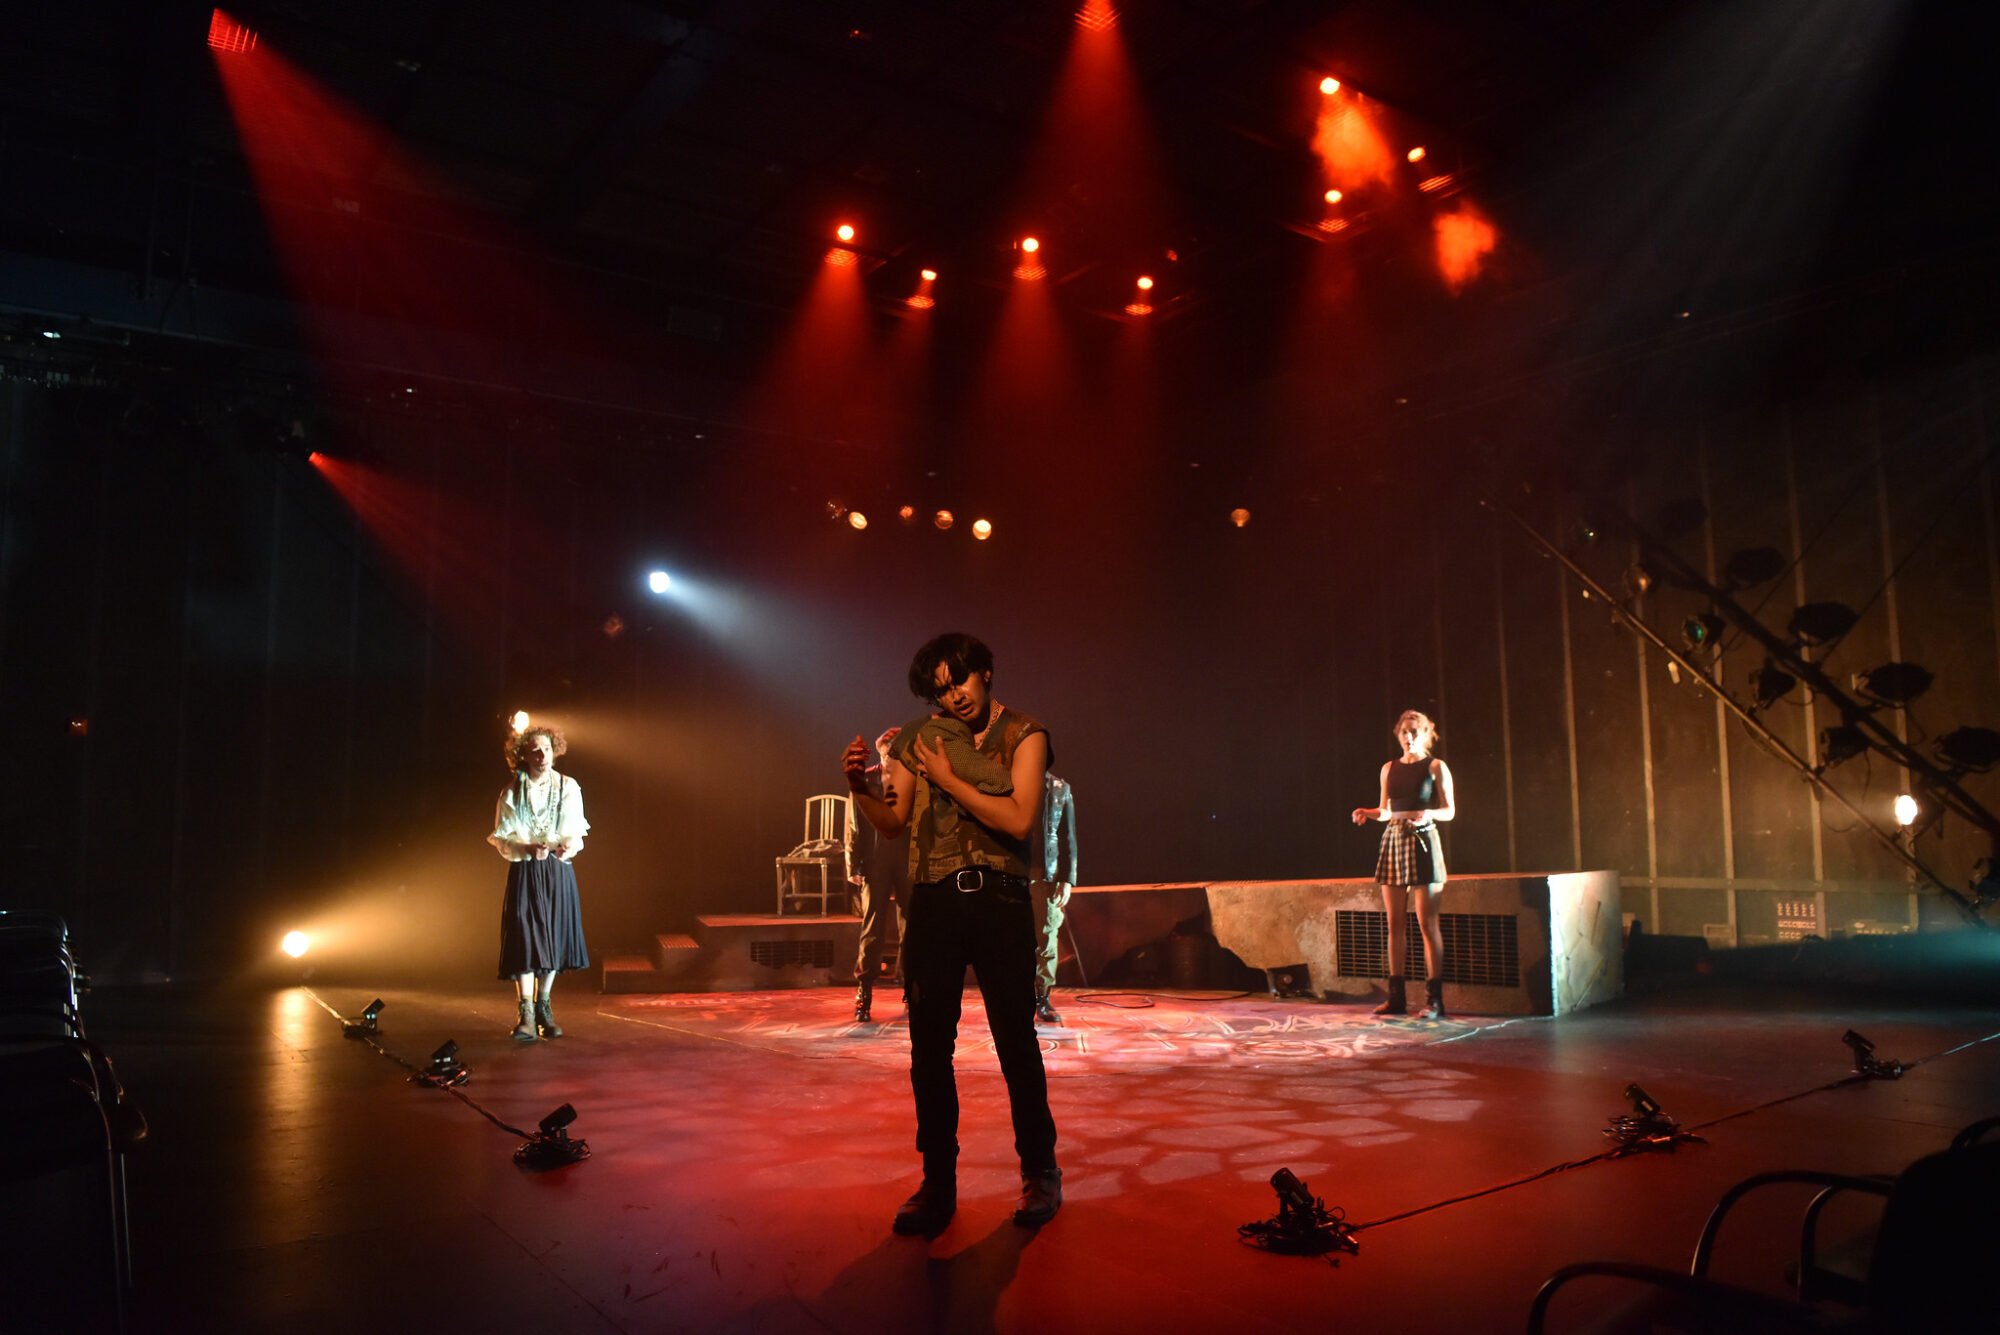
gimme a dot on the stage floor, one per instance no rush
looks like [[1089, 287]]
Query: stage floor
[[749, 1149]]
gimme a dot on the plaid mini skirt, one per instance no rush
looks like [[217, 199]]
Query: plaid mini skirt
[[1411, 855]]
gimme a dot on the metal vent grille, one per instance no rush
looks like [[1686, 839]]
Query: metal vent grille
[[1482, 949], [785, 954]]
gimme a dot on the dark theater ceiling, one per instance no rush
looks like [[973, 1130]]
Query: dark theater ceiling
[[691, 159]]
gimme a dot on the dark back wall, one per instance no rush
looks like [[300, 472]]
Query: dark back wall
[[294, 699]]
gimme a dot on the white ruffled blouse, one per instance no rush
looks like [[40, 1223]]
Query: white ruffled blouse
[[549, 814]]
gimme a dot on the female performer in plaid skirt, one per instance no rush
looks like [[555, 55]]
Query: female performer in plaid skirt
[[1416, 794]]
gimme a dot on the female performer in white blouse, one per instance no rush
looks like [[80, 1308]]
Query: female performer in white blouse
[[538, 826]]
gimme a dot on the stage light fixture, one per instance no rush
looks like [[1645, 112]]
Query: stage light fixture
[[1703, 630], [1974, 749], [981, 529], [1304, 1224], [1770, 684], [226, 34], [1751, 566], [1839, 744], [1145, 283], [845, 231], [1906, 810], [1893, 683], [1646, 1127], [1866, 1063], [1029, 245], [1416, 154], [1329, 85], [944, 519], [908, 514], [519, 723], [856, 520], [550, 1146], [1239, 517], [295, 944], [365, 1023], [1821, 623], [444, 1072], [52, 333], [929, 275], [1334, 196], [1637, 581], [659, 581]]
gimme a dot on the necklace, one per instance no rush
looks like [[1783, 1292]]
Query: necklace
[[993, 708]]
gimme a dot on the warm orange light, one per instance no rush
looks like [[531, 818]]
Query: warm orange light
[[1030, 245], [981, 529], [907, 513], [1329, 85], [841, 257], [929, 275], [1097, 16], [1138, 308], [1333, 224], [1464, 240], [1145, 283], [1416, 154], [1334, 196], [855, 519], [920, 302], [943, 519], [1434, 185], [845, 231], [295, 944], [1239, 517]]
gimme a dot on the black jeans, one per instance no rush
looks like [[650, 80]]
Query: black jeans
[[992, 930]]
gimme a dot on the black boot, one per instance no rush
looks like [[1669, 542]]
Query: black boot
[[545, 1019], [864, 997], [1434, 999], [1045, 1011], [1396, 1004], [928, 1211]]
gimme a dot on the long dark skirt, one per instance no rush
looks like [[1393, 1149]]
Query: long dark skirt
[[541, 920]]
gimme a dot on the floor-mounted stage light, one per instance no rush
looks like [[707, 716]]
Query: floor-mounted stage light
[[1821, 623], [1304, 1224], [1646, 1127], [550, 1146], [444, 1072], [1894, 683], [362, 1025], [1973, 749], [1866, 1063]]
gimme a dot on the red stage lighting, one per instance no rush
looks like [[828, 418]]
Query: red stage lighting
[[1416, 154], [1239, 517], [1029, 245], [857, 520], [1437, 185], [981, 529], [226, 34], [1145, 283], [929, 275], [1097, 16], [1329, 85], [1334, 196], [845, 231], [907, 514], [843, 258], [1138, 308], [919, 301], [943, 519]]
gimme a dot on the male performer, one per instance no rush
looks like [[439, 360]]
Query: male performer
[[972, 856], [884, 884], [1057, 876]]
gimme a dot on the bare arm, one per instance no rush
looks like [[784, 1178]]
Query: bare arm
[[890, 817], [1012, 814], [1445, 809], [1362, 815]]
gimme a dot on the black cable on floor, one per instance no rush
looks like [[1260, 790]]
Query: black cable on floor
[[415, 1071], [1622, 1151]]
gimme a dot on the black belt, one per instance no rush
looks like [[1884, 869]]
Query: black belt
[[969, 879]]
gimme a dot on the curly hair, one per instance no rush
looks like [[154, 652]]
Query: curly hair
[[958, 653], [517, 743]]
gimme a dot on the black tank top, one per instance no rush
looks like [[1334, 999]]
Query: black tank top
[[1411, 787]]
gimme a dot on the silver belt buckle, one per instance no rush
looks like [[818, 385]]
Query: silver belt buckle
[[978, 875]]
